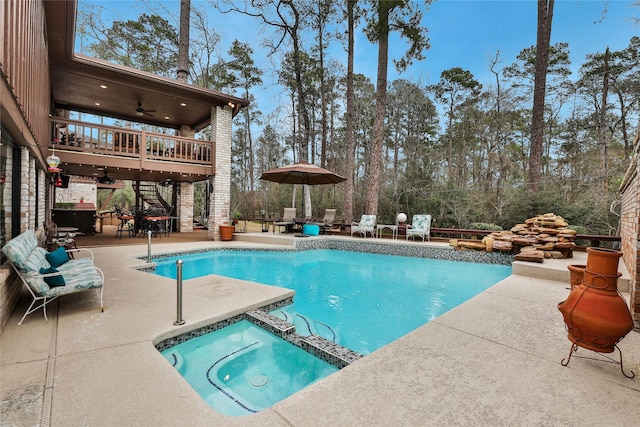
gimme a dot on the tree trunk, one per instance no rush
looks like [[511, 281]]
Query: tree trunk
[[602, 126], [545, 15], [375, 159], [349, 141], [183, 53]]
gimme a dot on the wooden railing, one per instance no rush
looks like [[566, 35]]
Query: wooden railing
[[139, 144]]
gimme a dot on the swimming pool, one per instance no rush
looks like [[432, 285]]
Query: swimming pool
[[243, 369], [361, 301]]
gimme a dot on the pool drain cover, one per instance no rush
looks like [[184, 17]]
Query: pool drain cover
[[259, 380]]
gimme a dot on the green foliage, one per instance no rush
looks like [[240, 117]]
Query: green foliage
[[485, 226], [124, 198], [64, 205]]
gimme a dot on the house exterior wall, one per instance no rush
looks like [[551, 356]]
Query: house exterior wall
[[25, 102], [630, 228], [221, 190]]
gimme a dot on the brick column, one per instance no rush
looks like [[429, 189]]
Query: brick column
[[221, 184], [184, 210], [27, 179]]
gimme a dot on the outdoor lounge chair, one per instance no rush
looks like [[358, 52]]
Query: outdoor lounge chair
[[366, 225], [327, 221], [287, 221], [420, 226]]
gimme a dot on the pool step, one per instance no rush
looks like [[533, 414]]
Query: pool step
[[318, 346]]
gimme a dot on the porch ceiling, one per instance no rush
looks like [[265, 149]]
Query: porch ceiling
[[119, 170], [77, 83]]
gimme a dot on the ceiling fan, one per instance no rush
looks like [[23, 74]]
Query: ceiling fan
[[106, 179], [142, 112]]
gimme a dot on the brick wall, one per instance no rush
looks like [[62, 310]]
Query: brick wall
[[30, 213], [630, 227], [221, 194]]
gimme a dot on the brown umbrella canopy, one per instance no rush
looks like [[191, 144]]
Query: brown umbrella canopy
[[302, 173]]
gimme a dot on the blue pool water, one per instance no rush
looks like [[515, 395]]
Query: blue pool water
[[242, 369], [362, 301]]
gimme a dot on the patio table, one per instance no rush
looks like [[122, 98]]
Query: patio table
[[381, 227]]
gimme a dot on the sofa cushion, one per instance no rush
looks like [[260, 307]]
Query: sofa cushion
[[52, 281], [36, 283], [19, 248], [37, 260], [58, 257], [81, 279], [73, 264]]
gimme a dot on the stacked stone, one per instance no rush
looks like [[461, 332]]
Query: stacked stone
[[540, 237], [543, 236]]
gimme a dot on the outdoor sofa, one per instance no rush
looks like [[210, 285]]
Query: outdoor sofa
[[48, 275]]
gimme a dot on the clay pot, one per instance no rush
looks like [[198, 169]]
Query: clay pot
[[226, 232], [576, 274], [603, 261], [601, 281], [595, 314]]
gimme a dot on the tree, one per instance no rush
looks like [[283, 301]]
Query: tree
[[412, 124], [285, 18], [620, 69], [558, 89], [149, 44], [390, 15], [545, 17], [456, 87], [247, 76]]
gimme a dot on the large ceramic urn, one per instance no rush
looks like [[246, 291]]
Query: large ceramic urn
[[595, 314]]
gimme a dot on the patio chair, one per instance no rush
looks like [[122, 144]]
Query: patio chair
[[287, 221], [54, 238], [420, 226], [327, 221], [366, 225]]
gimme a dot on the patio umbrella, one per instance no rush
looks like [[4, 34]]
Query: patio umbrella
[[302, 173]]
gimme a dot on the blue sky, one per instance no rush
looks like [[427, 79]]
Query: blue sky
[[463, 33]]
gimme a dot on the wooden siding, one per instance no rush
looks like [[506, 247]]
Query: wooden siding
[[23, 52]]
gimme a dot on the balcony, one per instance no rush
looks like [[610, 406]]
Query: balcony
[[85, 149]]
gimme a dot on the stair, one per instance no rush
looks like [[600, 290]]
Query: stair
[[149, 194]]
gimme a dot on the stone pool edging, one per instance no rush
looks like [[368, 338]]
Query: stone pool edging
[[409, 250], [398, 249]]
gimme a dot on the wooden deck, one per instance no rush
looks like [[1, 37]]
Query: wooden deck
[[85, 147]]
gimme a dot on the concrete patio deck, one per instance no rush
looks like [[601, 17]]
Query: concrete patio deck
[[494, 360]]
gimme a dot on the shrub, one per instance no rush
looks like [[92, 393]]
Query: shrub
[[485, 226]]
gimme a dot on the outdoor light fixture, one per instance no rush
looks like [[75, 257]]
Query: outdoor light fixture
[[402, 218], [58, 182]]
